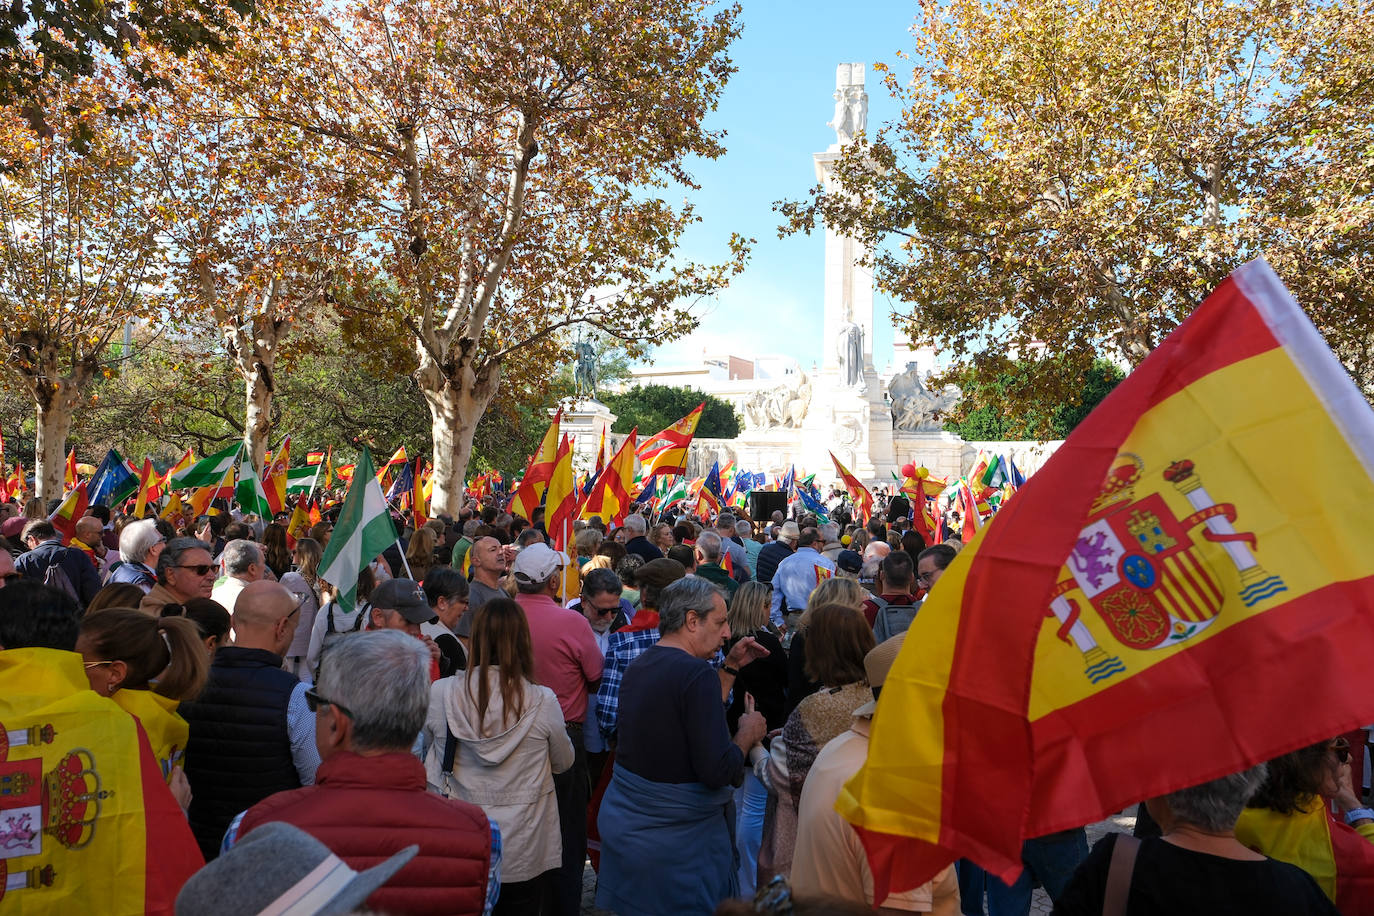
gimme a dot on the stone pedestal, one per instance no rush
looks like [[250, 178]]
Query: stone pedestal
[[942, 452], [584, 421]]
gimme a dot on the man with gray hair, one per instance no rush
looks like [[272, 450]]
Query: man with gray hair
[[636, 527], [369, 800], [140, 544], [676, 764], [184, 571], [242, 561], [710, 550], [739, 559]]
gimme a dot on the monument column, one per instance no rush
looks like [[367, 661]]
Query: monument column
[[848, 414]]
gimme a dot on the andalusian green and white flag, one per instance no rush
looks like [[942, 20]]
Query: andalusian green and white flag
[[302, 479], [363, 531], [249, 493], [675, 493], [208, 471]]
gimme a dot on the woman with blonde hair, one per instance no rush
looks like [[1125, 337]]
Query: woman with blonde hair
[[420, 552], [495, 739], [587, 541], [148, 665]]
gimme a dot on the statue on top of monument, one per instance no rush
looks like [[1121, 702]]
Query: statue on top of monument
[[849, 345], [584, 376], [851, 103]]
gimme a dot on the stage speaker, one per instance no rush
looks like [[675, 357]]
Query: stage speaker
[[763, 503]]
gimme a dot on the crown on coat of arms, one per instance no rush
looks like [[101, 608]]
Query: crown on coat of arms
[[73, 799], [1119, 487]]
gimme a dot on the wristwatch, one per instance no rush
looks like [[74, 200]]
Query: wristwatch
[[734, 672], [1359, 814]]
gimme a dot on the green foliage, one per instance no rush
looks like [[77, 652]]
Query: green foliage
[[1008, 400], [48, 41], [653, 407]]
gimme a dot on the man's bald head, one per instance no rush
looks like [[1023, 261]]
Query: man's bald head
[[265, 617], [88, 530]]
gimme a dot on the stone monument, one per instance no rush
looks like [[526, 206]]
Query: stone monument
[[848, 413]]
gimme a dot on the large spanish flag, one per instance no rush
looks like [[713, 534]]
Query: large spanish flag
[[665, 452], [561, 504], [538, 470], [89, 825], [610, 497], [1178, 594]]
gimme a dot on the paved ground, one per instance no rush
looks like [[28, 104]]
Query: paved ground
[[1040, 902]]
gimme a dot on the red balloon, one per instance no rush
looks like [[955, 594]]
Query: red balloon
[[909, 470]]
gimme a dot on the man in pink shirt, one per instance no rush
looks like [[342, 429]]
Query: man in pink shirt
[[568, 662]]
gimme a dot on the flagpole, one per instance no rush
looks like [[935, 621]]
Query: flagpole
[[404, 561]]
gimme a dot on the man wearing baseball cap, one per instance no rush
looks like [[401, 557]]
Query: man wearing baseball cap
[[566, 660], [400, 604]]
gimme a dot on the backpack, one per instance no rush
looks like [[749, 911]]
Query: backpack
[[330, 631], [892, 618], [56, 577]]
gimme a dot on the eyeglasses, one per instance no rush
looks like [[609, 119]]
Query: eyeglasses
[[313, 702], [605, 611], [927, 578], [200, 569], [89, 665]]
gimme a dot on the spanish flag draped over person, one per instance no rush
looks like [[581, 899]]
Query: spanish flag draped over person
[[1179, 593], [91, 825]]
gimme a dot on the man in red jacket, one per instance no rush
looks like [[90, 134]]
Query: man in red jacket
[[369, 800]]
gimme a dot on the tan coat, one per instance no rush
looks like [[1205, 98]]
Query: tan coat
[[829, 859]]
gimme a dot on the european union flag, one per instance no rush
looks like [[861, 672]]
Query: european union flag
[[112, 481], [712, 481], [402, 485]]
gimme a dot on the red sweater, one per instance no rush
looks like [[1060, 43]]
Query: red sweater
[[367, 809]]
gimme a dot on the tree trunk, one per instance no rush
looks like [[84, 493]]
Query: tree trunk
[[455, 409], [55, 396], [257, 413], [50, 446]]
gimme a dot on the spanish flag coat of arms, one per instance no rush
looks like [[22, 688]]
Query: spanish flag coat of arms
[[1184, 590], [87, 824]]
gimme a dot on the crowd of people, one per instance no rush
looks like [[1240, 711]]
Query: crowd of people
[[681, 702]]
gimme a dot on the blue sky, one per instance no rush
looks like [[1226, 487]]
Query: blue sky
[[774, 111]]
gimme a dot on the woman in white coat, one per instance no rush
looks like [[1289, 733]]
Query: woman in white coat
[[495, 739]]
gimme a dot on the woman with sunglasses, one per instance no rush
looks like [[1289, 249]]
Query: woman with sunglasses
[[495, 739], [1290, 819], [148, 665]]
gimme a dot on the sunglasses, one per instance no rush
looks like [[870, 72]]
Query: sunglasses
[[200, 569], [11, 577], [313, 702]]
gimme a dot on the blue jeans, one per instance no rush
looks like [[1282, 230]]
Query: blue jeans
[[1051, 861], [750, 800]]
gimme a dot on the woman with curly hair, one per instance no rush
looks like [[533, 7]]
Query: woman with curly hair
[[1288, 819]]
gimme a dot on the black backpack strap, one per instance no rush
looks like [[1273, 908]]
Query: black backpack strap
[[450, 749], [362, 612], [329, 619]]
